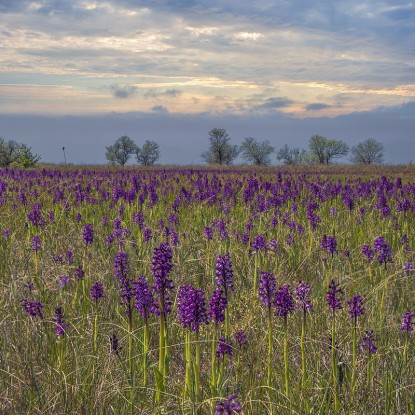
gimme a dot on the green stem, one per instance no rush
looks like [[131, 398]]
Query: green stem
[[269, 345], [146, 349], [354, 356], [197, 368], [303, 359], [334, 363], [160, 377], [286, 364], [188, 364], [214, 345]]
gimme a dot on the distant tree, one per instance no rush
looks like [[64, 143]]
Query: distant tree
[[292, 155], [16, 154], [9, 152], [323, 150], [121, 150], [148, 154], [367, 152], [26, 158], [220, 150], [255, 152]]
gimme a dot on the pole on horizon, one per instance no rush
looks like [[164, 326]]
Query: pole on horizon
[[64, 156]]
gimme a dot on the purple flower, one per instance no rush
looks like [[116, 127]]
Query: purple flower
[[368, 252], [121, 266], [224, 273], [259, 244], [355, 307], [217, 305], [384, 251], [302, 296], [267, 287], [208, 233], [160, 269], [241, 338], [367, 342], [78, 217], [36, 243], [6, 233], [191, 307], [58, 320], [88, 234], [223, 348], [408, 268], [284, 301], [69, 257], [144, 300], [114, 347], [79, 273], [96, 291], [407, 323], [34, 308], [63, 280], [332, 299], [228, 407], [330, 244]]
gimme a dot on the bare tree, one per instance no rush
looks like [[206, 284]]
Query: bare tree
[[120, 151], [255, 152], [292, 155], [148, 154], [367, 152], [220, 150], [323, 150]]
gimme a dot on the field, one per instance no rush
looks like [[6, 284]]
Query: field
[[197, 291]]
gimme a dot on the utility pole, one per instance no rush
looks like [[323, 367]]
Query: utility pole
[[64, 156]]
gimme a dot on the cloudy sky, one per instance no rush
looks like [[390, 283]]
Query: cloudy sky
[[81, 73]]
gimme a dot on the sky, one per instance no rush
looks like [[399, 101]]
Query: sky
[[79, 74]]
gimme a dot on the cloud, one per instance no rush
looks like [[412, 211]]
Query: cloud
[[275, 103], [123, 92], [169, 93], [159, 108], [316, 106]]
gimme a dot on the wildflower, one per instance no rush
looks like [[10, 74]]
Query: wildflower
[[96, 292], [144, 300], [217, 306], [241, 338], [355, 307], [223, 348], [114, 347], [160, 269], [121, 266], [267, 287], [332, 300], [284, 301], [408, 268], [407, 322], [191, 307], [63, 280], [259, 244], [368, 252], [36, 243], [88, 234], [330, 244], [302, 296], [228, 407], [58, 320], [224, 273], [34, 308], [384, 251], [368, 342], [79, 273]]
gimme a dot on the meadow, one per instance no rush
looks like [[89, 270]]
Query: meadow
[[203, 291]]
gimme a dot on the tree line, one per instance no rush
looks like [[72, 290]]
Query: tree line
[[320, 150]]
